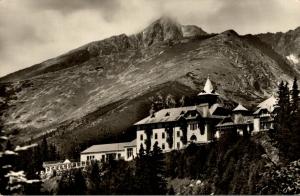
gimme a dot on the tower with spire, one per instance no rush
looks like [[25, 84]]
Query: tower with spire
[[208, 94]]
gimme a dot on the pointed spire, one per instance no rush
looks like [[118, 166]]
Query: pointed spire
[[208, 88]]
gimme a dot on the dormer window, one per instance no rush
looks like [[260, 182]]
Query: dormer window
[[167, 114], [182, 113], [153, 115]]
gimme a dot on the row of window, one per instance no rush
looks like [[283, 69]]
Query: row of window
[[163, 146], [193, 126], [156, 135], [88, 158], [112, 155]]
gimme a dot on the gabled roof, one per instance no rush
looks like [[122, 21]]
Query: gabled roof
[[259, 110], [166, 115], [174, 114], [269, 104], [58, 162], [226, 122], [240, 107], [217, 110], [67, 161], [108, 147]]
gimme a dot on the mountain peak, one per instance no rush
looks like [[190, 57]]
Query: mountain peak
[[163, 29]]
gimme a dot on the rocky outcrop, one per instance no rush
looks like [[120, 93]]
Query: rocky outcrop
[[164, 29], [192, 31], [287, 44]]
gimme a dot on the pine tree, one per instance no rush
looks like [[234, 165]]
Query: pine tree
[[152, 110], [149, 133], [294, 97], [13, 179], [79, 183], [72, 183], [150, 172], [95, 178], [182, 101], [53, 154], [170, 101], [283, 104], [141, 151], [45, 150], [141, 165], [158, 171], [287, 99]]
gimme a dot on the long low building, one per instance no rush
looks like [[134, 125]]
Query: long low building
[[104, 152]]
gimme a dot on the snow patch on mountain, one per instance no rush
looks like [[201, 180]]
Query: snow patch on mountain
[[293, 58]]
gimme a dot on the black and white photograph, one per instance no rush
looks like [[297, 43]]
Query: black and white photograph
[[149, 97]]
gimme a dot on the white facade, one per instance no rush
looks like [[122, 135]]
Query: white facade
[[102, 156], [256, 125], [200, 133], [159, 135], [264, 115], [103, 152]]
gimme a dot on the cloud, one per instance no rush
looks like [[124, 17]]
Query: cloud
[[107, 8], [35, 30]]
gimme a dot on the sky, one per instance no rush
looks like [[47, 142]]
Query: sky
[[32, 31]]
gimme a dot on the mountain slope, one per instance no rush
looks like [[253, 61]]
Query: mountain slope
[[78, 97], [287, 44]]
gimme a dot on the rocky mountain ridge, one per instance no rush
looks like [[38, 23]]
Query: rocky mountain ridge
[[78, 97], [287, 44]]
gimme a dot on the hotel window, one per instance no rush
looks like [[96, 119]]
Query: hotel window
[[103, 157], [119, 156], [141, 137], [178, 133], [202, 131], [163, 135], [193, 126], [178, 145], [129, 152], [163, 146], [155, 136]]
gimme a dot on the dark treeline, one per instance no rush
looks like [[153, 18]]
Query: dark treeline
[[158, 102], [287, 130], [285, 178]]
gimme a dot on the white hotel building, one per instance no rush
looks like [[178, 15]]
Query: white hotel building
[[175, 128]]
